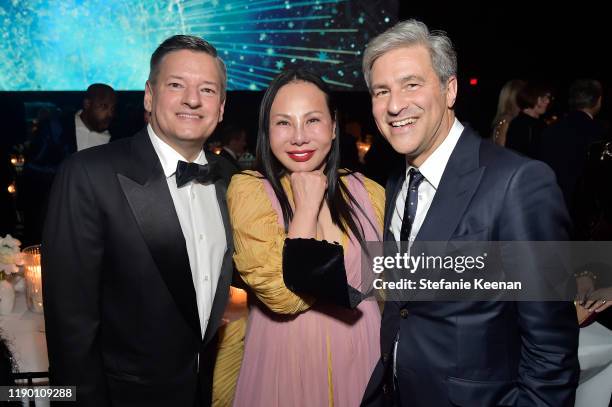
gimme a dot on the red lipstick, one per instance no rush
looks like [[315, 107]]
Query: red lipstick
[[301, 155]]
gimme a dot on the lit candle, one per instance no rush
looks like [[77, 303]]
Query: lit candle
[[33, 279]]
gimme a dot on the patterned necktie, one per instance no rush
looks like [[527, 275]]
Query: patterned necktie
[[412, 200], [186, 172]]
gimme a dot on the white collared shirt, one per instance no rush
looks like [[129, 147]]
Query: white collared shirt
[[432, 170], [86, 138], [200, 219]]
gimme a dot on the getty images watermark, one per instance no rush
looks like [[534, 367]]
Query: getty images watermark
[[417, 263], [482, 271]]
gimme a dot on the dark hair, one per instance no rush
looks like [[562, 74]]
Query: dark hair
[[98, 90], [339, 199], [527, 96], [191, 43], [584, 94]]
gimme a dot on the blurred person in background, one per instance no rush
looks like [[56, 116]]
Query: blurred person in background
[[233, 144], [507, 109], [565, 145], [55, 139], [525, 129]]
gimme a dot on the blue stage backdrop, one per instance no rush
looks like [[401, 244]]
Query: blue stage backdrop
[[69, 44]]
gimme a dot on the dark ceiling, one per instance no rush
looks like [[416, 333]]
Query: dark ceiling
[[511, 39], [495, 42]]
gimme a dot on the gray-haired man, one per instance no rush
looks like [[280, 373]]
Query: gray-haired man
[[461, 353]]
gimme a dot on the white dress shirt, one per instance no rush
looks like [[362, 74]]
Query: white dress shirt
[[86, 138], [200, 219], [432, 170]]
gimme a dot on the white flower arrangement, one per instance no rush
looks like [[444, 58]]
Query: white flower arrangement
[[10, 256]]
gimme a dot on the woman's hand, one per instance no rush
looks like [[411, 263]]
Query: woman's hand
[[308, 190], [599, 300], [308, 194]]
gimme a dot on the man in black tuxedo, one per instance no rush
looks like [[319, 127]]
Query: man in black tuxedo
[[460, 187], [137, 247]]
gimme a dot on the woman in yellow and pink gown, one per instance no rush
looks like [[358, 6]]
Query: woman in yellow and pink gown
[[296, 213]]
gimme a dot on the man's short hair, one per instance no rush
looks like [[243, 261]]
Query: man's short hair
[[98, 90], [190, 43], [411, 33], [584, 94]]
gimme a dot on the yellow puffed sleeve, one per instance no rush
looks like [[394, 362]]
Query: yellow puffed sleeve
[[377, 197], [258, 241]]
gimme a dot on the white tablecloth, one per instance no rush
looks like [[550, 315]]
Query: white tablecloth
[[25, 333], [595, 355]]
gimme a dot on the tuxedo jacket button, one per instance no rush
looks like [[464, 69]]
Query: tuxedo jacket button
[[404, 313], [385, 357]]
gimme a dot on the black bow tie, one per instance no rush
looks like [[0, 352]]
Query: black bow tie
[[186, 172]]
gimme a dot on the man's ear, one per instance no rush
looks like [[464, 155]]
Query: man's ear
[[86, 104], [451, 91], [148, 97], [221, 111]]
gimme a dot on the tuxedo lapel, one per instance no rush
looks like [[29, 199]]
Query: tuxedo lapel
[[146, 190], [457, 186]]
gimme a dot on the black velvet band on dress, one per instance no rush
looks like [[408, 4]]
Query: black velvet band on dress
[[316, 268]]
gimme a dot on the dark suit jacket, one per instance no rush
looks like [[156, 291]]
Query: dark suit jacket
[[230, 159], [52, 143], [565, 147], [524, 134], [482, 353], [120, 305]]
